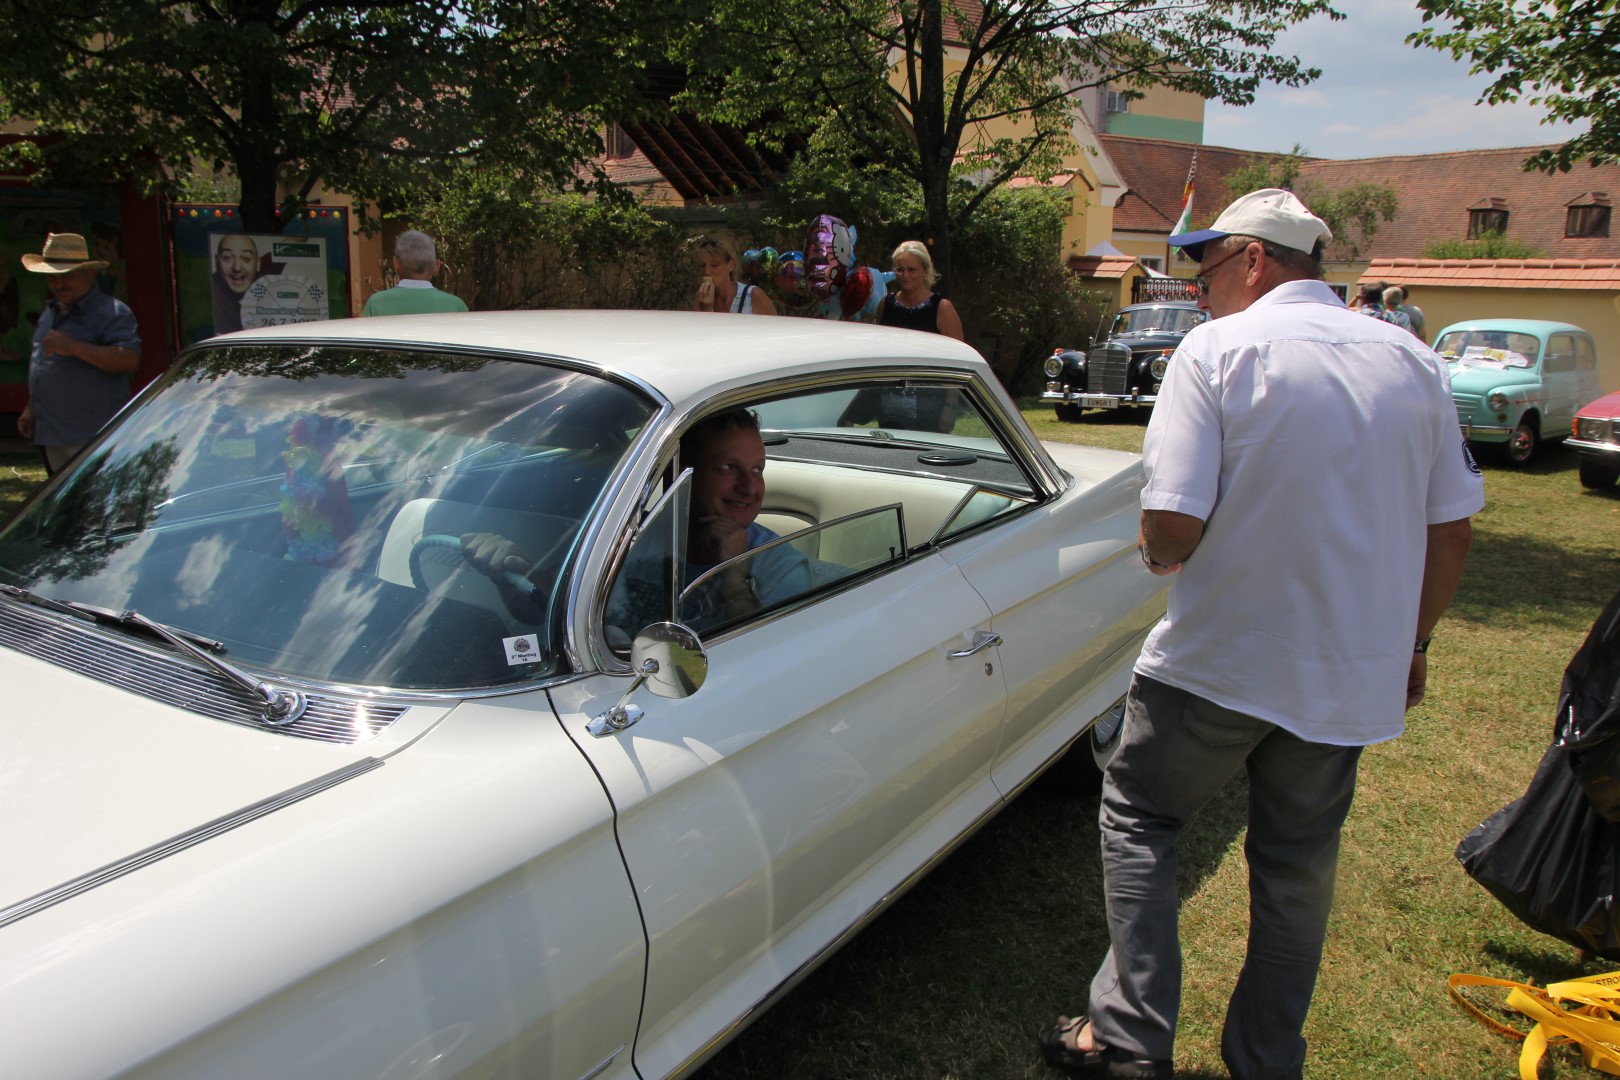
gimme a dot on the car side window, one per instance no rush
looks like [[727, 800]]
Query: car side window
[[1560, 354], [1585, 353], [856, 480]]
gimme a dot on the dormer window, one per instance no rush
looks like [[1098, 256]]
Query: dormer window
[[1588, 215], [619, 142], [1487, 216]]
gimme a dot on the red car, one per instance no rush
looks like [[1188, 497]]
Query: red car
[[1596, 435]]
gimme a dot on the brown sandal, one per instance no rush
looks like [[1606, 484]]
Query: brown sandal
[[1102, 1061]]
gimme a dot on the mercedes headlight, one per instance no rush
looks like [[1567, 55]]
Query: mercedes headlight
[[1054, 366], [1157, 368], [1497, 401]]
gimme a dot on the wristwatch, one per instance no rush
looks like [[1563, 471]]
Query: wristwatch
[[1422, 644]]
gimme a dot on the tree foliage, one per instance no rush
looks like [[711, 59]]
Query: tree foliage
[[1490, 245], [506, 245], [878, 73], [1560, 55], [369, 97], [1353, 212]]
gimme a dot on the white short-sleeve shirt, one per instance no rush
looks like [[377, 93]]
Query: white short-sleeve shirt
[[1318, 446]]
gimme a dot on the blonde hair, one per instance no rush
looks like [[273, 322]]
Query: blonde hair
[[917, 249], [1393, 296], [714, 246]]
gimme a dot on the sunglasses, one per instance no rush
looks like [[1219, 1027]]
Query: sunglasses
[[1202, 280]]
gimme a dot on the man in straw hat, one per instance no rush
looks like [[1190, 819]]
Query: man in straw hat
[[85, 347], [1297, 631]]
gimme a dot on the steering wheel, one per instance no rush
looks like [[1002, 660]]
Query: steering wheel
[[435, 542]]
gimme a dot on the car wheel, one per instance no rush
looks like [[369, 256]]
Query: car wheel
[[1597, 473], [1523, 443], [1089, 756]]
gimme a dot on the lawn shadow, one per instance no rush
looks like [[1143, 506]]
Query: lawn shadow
[[959, 976], [1519, 569]]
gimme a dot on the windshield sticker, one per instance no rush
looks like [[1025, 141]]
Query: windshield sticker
[[523, 649], [1478, 356]]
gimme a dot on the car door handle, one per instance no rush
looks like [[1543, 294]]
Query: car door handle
[[982, 639]]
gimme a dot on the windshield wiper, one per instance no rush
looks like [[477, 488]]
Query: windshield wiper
[[280, 707], [101, 615]]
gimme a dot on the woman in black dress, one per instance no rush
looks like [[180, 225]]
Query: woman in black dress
[[913, 305]]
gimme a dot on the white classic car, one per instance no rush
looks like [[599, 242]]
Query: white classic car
[[375, 706]]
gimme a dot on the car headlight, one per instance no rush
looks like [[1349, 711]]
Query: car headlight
[[1054, 366], [1157, 368], [1497, 401]]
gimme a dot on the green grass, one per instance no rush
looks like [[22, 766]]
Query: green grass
[[20, 474], [958, 977], [955, 980]]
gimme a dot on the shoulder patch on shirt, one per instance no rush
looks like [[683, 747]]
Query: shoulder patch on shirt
[[1468, 459]]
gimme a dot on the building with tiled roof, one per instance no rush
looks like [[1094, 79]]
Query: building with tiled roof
[[1154, 174], [1455, 195]]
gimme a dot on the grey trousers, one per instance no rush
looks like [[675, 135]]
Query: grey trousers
[[1176, 752]]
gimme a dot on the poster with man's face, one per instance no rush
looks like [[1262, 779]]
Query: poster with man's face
[[230, 280], [267, 280]]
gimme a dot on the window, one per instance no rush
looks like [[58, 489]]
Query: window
[[1560, 354], [856, 481], [1152, 262], [1481, 222], [619, 142], [1116, 101], [1587, 221]]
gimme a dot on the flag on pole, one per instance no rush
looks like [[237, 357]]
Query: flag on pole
[[1184, 222]]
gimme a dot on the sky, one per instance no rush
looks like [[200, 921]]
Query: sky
[[1377, 95]]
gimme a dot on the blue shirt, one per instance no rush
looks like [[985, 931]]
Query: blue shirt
[[72, 399]]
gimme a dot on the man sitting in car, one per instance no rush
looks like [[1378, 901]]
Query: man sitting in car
[[727, 459]]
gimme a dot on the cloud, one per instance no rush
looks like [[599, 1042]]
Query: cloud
[[1385, 96]]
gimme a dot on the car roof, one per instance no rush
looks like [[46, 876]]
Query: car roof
[[681, 354], [1193, 304], [1523, 326]]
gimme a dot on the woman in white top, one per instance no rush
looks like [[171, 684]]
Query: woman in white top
[[719, 290]]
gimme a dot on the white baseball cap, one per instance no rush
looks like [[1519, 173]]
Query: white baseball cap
[[1268, 214]]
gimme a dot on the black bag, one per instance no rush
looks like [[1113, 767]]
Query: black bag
[[1589, 712], [1552, 857]]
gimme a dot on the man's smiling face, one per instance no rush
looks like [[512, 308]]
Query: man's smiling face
[[728, 478]]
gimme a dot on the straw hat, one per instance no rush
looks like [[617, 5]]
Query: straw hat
[[63, 252]]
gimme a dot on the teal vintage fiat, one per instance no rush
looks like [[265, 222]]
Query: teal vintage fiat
[[1518, 382]]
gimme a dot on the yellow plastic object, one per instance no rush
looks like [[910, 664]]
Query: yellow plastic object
[[1585, 1011]]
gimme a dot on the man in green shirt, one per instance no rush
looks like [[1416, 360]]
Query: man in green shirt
[[415, 264]]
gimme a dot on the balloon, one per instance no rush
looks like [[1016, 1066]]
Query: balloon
[[752, 271], [823, 268], [880, 289], [790, 274], [857, 290]]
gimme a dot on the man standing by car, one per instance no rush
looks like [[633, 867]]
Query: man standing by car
[[1307, 484], [85, 347]]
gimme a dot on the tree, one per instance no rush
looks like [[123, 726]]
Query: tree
[[1558, 54], [943, 123], [1352, 212], [370, 97], [1488, 245]]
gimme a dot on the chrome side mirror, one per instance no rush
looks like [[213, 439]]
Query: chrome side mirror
[[670, 660]]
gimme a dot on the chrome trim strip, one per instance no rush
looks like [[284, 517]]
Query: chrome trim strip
[[1582, 444], [130, 863], [599, 1067]]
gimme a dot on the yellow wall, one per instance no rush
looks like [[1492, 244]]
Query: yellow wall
[[1172, 104], [1593, 310]]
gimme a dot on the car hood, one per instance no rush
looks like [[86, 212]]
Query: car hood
[[1147, 340], [91, 775], [1484, 380]]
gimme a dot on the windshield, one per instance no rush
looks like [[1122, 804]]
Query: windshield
[[1156, 320], [305, 507], [1495, 349]]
